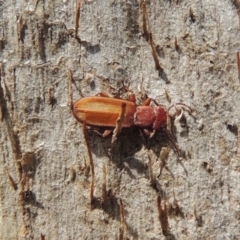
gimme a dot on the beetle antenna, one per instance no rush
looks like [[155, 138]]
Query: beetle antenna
[[174, 143], [182, 104]]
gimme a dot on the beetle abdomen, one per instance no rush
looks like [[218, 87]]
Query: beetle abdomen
[[103, 111]]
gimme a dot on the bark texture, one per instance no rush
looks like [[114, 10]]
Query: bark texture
[[55, 52]]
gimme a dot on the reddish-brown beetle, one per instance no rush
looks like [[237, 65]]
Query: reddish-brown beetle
[[108, 113]]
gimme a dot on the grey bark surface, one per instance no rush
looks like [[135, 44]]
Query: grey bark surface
[[55, 52]]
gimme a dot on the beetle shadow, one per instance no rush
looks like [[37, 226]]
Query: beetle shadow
[[29, 165], [123, 152], [112, 208], [129, 142], [110, 205]]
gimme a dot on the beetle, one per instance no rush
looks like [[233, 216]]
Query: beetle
[[102, 111]]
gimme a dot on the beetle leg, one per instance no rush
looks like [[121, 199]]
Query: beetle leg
[[147, 102], [97, 132], [106, 133], [146, 132], [132, 98], [152, 133], [169, 127], [104, 94], [179, 115], [189, 109], [119, 124]]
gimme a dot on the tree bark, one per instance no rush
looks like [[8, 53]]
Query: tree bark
[[56, 52]]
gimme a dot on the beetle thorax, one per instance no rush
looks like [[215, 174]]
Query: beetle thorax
[[144, 117], [149, 117]]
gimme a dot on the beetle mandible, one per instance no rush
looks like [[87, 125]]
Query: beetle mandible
[[103, 111]]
